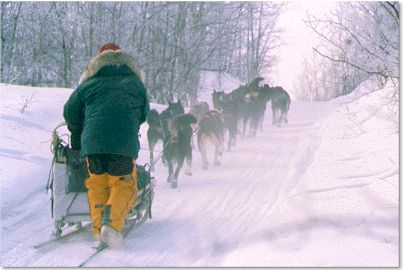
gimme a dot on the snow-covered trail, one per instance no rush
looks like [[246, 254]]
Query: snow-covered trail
[[211, 213]]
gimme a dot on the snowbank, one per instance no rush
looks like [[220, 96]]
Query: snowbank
[[354, 178]]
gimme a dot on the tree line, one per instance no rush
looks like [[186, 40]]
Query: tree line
[[357, 40], [50, 43]]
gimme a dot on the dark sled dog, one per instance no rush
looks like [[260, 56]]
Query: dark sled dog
[[280, 103], [210, 131], [154, 133], [177, 145], [245, 103], [253, 108], [168, 115], [216, 97], [158, 126]]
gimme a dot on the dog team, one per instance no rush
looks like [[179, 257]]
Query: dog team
[[245, 105]]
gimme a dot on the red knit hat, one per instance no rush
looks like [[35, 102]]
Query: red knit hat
[[108, 46]]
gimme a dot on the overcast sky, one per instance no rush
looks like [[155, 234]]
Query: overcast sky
[[298, 38]]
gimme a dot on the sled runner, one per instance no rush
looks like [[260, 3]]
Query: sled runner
[[69, 203]]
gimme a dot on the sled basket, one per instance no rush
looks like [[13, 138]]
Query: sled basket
[[77, 173]]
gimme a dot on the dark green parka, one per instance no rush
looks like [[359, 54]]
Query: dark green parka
[[105, 112]]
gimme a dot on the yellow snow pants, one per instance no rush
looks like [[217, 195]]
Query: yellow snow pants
[[110, 198]]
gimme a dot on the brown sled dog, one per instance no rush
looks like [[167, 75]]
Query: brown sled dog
[[210, 130], [199, 109]]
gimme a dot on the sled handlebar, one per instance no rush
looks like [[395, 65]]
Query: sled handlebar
[[56, 137], [59, 126]]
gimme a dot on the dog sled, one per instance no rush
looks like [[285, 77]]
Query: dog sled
[[69, 203]]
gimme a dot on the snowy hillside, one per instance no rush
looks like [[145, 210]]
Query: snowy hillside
[[320, 191]]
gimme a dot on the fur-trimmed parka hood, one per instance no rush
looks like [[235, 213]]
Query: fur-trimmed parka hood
[[110, 57]]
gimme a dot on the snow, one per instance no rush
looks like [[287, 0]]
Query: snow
[[321, 191]]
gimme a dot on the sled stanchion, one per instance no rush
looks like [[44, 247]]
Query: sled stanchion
[[72, 201], [149, 207], [49, 185], [49, 182]]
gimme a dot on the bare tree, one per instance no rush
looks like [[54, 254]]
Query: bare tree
[[360, 39], [50, 43]]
